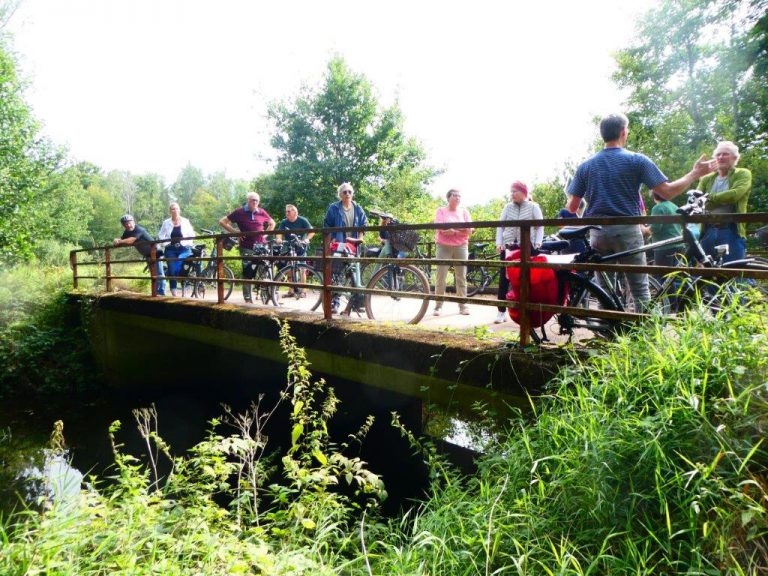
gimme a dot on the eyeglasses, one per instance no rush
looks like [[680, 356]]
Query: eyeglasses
[[253, 199], [347, 192]]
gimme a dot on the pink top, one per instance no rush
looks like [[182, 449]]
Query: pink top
[[443, 214]]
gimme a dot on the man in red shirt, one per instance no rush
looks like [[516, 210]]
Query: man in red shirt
[[248, 218]]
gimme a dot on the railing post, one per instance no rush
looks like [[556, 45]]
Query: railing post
[[153, 268], [327, 276], [108, 268], [73, 265], [219, 270], [525, 273]]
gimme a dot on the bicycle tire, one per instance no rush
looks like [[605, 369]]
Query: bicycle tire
[[208, 283], [583, 293], [393, 308], [476, 278], [267, 293], [313, 297], [189, 284]]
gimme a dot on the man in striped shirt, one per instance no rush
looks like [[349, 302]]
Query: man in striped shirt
[[610, 183]]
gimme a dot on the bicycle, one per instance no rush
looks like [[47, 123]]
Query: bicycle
[[297, 272], [402, 243], [200, 279], [478, 276], [258, 259], [583, 292]]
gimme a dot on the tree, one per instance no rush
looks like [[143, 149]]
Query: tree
[[26, 161], [339, 133], [694, 77]]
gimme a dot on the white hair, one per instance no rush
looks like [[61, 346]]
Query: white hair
[[730, 147]]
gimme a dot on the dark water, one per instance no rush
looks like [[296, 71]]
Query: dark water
[[185, 410]]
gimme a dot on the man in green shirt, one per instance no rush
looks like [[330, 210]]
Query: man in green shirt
[[728, 191]]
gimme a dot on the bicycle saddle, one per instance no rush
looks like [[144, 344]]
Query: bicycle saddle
[[554, 245], [481, 245], [573, 233]]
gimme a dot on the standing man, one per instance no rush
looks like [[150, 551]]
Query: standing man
[[249, 218], [728, 191], [610, 183], [345, 213], [138, 237], [293, 221]]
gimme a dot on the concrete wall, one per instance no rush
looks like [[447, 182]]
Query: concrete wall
[[157, 341]]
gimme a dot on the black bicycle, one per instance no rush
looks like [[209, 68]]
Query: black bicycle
[[583, 291], [295, 273], [202, 279], [478, 276]]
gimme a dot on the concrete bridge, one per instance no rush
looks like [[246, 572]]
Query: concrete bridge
[[157, 341]]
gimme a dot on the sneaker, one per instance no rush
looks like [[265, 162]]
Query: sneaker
[[335, 304], [464, 311], [436, 312], [501, 317]]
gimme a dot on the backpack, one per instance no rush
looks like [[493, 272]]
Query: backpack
[[544, 289]]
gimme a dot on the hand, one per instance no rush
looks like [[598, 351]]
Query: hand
[[116, 242], [703, 166], [499, 248]]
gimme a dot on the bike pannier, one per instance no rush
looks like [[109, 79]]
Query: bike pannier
[[543, 290]]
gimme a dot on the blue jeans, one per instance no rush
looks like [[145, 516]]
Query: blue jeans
[[160, 278], [737, 246], [174, 268]]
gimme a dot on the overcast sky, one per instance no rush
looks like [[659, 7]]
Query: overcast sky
[[495, 91]]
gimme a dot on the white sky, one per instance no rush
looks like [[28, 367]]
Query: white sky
[[496, 91]]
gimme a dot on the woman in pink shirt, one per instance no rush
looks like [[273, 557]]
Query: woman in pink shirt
[[452, 243]]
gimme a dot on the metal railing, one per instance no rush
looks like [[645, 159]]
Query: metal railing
[[326, 260]]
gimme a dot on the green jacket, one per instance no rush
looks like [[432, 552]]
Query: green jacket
[[739, 188]]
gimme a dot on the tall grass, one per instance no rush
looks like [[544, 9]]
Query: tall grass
[[647, 458]]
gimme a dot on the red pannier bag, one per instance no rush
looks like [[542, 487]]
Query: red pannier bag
[[543, 289], [343, 247]]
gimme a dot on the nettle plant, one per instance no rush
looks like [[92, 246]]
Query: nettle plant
[[322, 486]]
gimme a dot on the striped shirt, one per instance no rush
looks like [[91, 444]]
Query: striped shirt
[[610, 182]]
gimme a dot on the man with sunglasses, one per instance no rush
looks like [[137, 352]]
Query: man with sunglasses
[[249, 218], [345, 213]]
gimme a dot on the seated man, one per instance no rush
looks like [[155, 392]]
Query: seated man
[[728, 191], [139, 238]]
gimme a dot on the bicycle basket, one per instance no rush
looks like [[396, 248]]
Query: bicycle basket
[[404, 240], [228, 243]]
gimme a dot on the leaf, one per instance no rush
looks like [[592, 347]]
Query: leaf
[[298, 430], [308, 524], [320, 457], [297, 407]]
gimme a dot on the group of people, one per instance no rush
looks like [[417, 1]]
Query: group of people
[[606, 185]]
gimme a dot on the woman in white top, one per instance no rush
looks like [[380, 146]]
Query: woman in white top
[[174, 229], [521, 208]]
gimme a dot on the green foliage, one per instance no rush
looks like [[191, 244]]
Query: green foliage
[[338, 133], [694, 79], [43, 345]]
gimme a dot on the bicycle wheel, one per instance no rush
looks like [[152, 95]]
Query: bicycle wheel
[[584, 294], [305, 299], [208, 283], [393, 307], [659, 302], [476, 280], [189, 286], [267, 293]]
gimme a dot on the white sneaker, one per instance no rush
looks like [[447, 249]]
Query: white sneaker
[[501, 317], [436, 312]]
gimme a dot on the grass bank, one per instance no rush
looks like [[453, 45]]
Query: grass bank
[[647, 458]]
